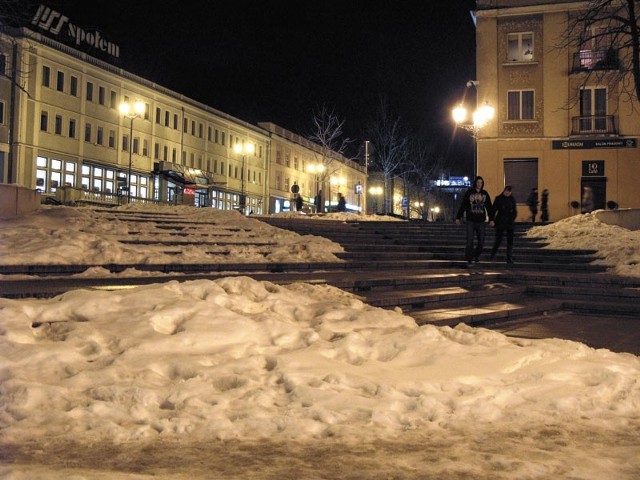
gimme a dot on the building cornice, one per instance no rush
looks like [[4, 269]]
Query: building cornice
[[531, 9]]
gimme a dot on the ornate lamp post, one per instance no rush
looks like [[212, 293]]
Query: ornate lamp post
[[244, 149], [131, 112], [479, 119]]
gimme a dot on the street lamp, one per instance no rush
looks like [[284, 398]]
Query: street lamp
[[479, 119], [244, 149], [317, 169], [131, 112]]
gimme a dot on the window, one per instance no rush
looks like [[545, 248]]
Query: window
[[44, 121], [165, 153], [222, 138], [185, 125], [112, 139], [72, 128], [209, 133], [113, 99], [200, 130], [73, 86], [175, 121], [3, 64], [52, 173], [100, 136], [593, 109], [46, 76], [174, 155], [147, 111], [520, 105], [60, 82], [167, 117], [522, 175], [125, 143], [158, 115], [58, 125], [136, 145], [101, 95], [156, 151], [193, 128], [1, 113], [90, 91], [87, 132], [145, 147], [520, 47]]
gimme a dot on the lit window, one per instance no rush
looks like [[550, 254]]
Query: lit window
[[520, 47]]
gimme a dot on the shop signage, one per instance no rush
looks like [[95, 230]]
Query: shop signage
[[593, 144], [57, 26], [593, 168]]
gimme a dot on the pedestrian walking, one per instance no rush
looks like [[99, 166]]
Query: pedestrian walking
[[342, 203], [504, 216], [544, 206], [532, 201], [476, 206], [299, 203], [318, 201]]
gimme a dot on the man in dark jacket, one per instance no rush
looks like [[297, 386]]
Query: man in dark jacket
[[504, 214], [476, 205]]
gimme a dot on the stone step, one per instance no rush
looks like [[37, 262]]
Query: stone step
[[416, 299], [484, 313]]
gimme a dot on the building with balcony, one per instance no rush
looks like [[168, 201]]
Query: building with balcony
[[562, 122]]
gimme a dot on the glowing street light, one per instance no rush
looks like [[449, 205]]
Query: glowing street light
[[244, 149], [479, 118], [131, 112]]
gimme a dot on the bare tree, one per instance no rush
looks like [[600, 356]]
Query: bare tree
[[426, 163], [389, 148], [606, 35], [327, 132]]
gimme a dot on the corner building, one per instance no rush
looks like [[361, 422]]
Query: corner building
[[562, 121]]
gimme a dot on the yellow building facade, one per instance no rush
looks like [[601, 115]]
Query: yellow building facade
[[557, 125], [63, 133]]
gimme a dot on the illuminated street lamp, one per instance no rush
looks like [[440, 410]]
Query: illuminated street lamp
[[131, 112], [244, 149], [316, 169], [480, 117]]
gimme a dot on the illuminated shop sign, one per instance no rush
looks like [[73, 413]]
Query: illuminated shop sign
[[57, 26], [591, 144]]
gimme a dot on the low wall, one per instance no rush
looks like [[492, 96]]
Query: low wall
[[16, 200], [625, 217]]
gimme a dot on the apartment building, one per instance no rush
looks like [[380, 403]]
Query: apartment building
[[64, 133], [562, 121]]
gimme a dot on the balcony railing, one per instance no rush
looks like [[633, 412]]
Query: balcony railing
[[588, 60], [597, 124]]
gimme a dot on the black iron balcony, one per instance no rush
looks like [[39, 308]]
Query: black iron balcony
[[588, 60], [596, 124]]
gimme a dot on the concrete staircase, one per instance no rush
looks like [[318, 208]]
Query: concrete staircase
[[541, 283]]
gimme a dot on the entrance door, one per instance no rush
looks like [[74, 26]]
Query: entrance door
[[594, 194]]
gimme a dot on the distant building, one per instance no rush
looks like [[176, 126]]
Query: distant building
[[561, 120], [62, 131]]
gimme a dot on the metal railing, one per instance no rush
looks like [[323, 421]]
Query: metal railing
[[595, 124], [588, 60]]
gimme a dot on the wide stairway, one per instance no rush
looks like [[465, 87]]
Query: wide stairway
[[420, 268]]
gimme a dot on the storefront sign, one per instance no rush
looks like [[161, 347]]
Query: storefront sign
[[58, 27], [593, 168], [593, 144]]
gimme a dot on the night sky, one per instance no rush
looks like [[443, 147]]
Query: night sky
[[277, 61]]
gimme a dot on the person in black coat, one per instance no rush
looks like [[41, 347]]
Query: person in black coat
[[544, 206], [476, 205], [532, 201], [504, 214]]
